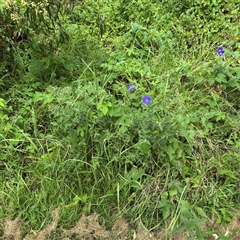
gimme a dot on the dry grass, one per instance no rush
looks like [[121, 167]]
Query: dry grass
[[88, 227]]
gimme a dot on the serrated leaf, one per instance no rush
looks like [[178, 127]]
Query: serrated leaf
[[136, 173]]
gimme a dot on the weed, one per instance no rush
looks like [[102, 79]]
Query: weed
[[134, 114]]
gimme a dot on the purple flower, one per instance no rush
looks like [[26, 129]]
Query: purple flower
[[131, 87], [220, 51], [146, 99], [69, 9]]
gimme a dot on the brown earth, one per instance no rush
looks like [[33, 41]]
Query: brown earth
[[88, 227]]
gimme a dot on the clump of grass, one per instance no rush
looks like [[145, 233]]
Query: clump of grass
[[149, 131]]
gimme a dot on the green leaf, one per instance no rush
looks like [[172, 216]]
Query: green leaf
[[230, 142], [200, 212], [166, 206], [108, 104], [104, 110], [173, 191], [76, 199], [124, 120], [220, 116], [221, 78], [144, 146], [170, 151], [163, 203], [136, 173], [2, 103], [164, 195], [48, 98], [102, 107], [84, 198], [166, 212], [227, 172], [1, 4], [116, 111]]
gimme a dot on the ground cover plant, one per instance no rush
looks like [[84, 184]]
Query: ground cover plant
[[119, 110]]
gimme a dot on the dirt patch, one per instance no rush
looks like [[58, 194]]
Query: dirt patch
[[88, 227], [226, 231], [45, 233], [12, 229]]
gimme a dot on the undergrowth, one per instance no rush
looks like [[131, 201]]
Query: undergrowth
[[74, 134]]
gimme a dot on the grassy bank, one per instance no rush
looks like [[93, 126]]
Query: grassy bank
[[131, 111]]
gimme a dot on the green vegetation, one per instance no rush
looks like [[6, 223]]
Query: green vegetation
[[73, 135]]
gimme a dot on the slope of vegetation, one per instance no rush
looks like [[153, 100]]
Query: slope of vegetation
[[121, 108]]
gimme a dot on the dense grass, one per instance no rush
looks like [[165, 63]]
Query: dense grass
[[73, 135]]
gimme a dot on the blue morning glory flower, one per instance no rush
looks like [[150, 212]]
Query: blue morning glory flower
[[131, 87], [146, 99], [220, 51]]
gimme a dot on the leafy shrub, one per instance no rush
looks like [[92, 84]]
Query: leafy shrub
[[208, 9], [37, 23]]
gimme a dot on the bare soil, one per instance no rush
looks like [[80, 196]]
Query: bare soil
[[88, 227]]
